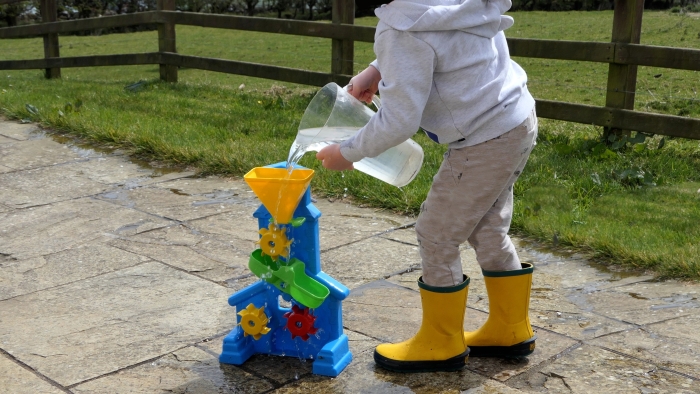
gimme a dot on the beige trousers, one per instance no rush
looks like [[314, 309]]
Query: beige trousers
[[471, 199]]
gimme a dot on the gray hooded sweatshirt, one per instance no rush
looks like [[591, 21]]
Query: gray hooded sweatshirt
[[445, 68]]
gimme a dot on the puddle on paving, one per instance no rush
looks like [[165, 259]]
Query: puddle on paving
[[87, 150], [548, 255]]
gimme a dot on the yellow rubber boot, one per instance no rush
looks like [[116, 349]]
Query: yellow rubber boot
[[439, 344], [507, 331]]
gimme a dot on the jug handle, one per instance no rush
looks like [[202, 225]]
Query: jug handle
[[375, 99], [377, 103]]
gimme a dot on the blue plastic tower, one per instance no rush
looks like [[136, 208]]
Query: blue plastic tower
[[327, 346]]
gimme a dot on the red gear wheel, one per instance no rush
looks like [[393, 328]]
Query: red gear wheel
[[300, 322]]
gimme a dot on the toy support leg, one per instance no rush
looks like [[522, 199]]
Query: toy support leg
[[333, 357], [236, 349]]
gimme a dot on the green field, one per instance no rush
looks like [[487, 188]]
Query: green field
[[636, 206]]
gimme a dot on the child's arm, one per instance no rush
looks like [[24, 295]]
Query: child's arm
[[407, 65]]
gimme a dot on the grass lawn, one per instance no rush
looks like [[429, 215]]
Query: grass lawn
[[636, 205]]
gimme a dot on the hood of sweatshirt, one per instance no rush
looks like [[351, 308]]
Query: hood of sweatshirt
[[481, 17]]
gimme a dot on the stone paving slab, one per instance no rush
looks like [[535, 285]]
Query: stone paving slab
[[114, 278], [592, 369], [39, 187], [23, 155], [368, 260], [656, 346], [341, 223], [626, 308], [190, 370], [164, 203], [19, 131], [238, 223], [192, 251], [16, 379], [42, 272], [60, 226], [99, 325], [404, 235]]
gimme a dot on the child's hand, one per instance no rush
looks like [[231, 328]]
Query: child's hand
[[364, 85], [332, 159]]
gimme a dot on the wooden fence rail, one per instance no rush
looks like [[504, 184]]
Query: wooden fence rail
[[624, 56]]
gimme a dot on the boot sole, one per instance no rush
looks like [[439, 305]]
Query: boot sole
[[521, 349], [451, 364]]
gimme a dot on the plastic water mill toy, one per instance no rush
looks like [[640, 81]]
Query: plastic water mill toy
[[295, 309]]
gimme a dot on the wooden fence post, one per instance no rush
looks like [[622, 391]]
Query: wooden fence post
[[49, 13], [622, 78], [166, 42], [343, 51]]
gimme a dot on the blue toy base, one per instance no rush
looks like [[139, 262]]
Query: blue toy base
[[330, 361]]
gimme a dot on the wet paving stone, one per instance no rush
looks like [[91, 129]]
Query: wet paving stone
[[549, 345], [403, 235], [238, 223], [189, 370], [191, 251], [363, 376], [23, 276], [57, 227], [341, 226], [627, 308], [18, 131], [212, 188], [16, 379], [590, 369], [115, 172], [7, 140], [24, 155], [20, 189], [99, 325], [164, 203], [664, 351], [353, 266]]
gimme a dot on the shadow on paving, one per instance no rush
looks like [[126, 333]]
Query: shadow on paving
[[114, 278]]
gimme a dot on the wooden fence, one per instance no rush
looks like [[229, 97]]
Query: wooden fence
[[623, 55]]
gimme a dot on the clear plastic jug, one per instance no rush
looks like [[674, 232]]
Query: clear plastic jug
[[333, 116]]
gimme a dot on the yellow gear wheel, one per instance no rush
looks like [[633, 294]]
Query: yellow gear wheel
[[273, 241], [254, 321]]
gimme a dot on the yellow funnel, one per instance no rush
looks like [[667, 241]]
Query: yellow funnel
[[278, 190]]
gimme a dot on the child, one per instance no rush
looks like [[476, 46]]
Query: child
[[444, 66]]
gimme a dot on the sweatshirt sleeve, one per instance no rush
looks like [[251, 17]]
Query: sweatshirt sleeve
[[406, 65]]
